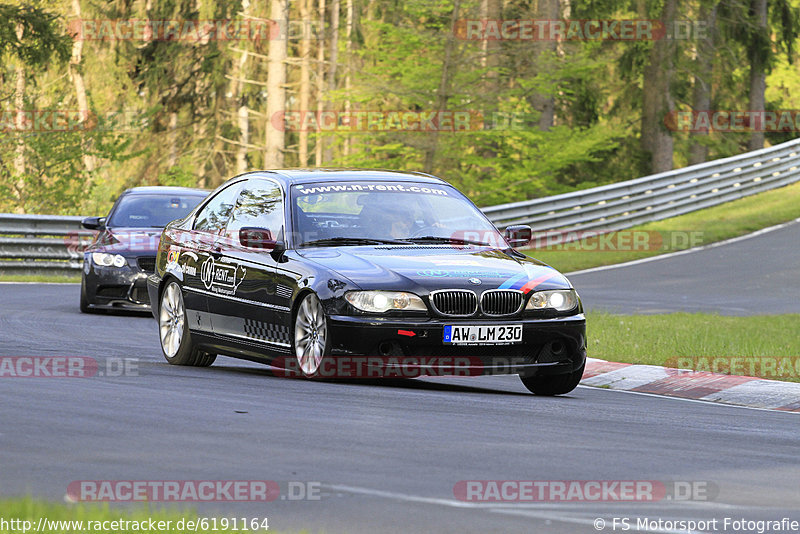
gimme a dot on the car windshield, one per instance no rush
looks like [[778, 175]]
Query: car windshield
[[353, 213], [151, 211]]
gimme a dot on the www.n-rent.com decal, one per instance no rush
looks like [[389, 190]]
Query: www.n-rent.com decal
[[360, 187]]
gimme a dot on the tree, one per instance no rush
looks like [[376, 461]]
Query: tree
[[31, 36], [305, 78], [276, 90], [657, 100], [703, 77], [758, 55]]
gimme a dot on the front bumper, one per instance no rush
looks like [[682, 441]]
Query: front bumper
[[549, 346], [113, 288]]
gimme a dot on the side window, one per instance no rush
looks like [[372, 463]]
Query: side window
[[260, 205], [214, 215]]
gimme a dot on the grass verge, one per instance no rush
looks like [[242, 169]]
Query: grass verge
[[97, 518], [702, 227], [41, 278], [767, 346]]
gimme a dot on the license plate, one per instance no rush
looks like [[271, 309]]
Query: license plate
[[504, 334]]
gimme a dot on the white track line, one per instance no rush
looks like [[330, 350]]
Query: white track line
[[688, 250], [684, 399], [526, 509]]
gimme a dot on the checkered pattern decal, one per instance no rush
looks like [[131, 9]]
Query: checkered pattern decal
[[266, 332]]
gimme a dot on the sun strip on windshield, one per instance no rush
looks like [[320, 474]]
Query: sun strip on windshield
[[382, 187]]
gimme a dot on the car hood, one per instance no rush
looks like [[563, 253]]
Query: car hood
[[140, 241], [434, 267]]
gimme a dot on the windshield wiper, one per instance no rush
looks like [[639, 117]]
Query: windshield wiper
[[353, 241], [440, 239]]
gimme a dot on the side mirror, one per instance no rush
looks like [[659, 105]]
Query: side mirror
[[94, 223], [257, 238], [518, 235]]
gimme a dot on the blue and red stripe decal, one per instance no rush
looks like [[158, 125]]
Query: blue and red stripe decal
[[526, 284]]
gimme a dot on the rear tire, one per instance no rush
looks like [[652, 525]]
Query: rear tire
[[549, 385], [173, 329]]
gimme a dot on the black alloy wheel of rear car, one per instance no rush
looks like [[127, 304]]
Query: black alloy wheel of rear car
[[549, 385], [176, 341], [310, 340]]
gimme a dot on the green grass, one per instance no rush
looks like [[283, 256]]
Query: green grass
[[51, 278], [705, 340], [706, 226], [27, 509]]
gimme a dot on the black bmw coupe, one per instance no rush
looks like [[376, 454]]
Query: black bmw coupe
[[348, 273]]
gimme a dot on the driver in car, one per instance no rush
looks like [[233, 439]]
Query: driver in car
[[399, 224]]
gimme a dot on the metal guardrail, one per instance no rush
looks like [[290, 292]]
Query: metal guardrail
[[41, 244], [45, 244], [659, 196]]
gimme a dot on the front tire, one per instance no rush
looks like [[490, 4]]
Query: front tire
[[176, 341], [310, 340], [84, 303], [549, 385]]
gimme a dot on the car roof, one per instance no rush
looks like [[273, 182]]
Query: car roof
[[304, 176], [165, 190]]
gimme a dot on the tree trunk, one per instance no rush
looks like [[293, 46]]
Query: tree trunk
[[305, 78], [657, 102], [704, 66], [490, 11], [444, 88], [334, 44], [758, 77], [19, 104], [276, 88], [80, 87], [172, 139], [19, 151], [348, 72], [490, 50], [545, 103], [240, 101], [320, 85], [244, 138], [199, 131]]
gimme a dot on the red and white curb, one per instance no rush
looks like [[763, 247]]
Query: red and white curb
[[696, 385]]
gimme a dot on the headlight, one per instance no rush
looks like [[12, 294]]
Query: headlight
[[559, 300], [383, 301], [107, 260]]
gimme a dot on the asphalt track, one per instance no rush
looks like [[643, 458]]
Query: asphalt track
[[755, 275], [387, 454]]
